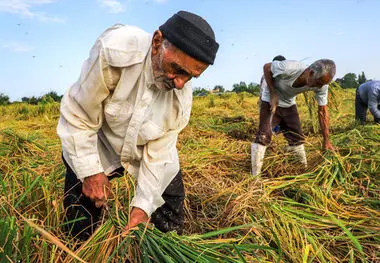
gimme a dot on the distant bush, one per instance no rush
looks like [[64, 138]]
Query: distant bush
[[33, 100], [243, 87], [4, 99], [47, 98], [200, 92]]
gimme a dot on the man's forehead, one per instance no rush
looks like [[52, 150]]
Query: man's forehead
[[190, 64]]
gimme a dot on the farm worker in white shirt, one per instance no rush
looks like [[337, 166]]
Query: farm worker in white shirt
[[285, 79], [125, 112]]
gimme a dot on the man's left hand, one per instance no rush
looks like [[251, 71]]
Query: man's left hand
[[136, 217]]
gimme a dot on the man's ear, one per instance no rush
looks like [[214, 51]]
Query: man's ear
[[157, 41], [310, 76], [311, 73]]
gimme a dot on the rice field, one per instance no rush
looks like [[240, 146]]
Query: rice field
[[328, 212]]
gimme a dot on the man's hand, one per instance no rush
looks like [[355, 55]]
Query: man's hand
[[98, 188], [328, 146], [136, 217], [273, 102]]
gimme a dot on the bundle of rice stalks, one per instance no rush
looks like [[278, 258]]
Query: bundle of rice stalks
[[147, 244]]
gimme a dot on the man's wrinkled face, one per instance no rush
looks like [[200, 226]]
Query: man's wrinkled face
[[172, 68], [320, 82]]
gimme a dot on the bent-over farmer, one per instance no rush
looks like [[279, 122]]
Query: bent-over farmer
[[125, 112], [285, 79], [368, 97]]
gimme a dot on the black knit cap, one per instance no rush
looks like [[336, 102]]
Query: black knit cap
[[191, 34]]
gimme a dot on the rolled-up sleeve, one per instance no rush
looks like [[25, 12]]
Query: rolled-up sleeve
[[158, 167], [81, 116], [321, 95], [373, 101]]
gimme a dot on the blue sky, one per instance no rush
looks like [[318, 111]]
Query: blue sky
[[43, 43]]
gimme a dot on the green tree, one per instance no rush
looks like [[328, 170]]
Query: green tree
[[4, 99], [198, 91], [362, 78], [47, 98], [239, 87], [348, 81], [219, 88], [53, 95], [253, 88], [32, 100]]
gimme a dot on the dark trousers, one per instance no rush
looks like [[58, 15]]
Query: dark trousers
[[82, 216], [360, 109], [287, 118]]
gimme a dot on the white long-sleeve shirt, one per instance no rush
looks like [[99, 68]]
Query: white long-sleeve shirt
[[115, 115]]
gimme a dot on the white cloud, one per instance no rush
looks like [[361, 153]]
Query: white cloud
[[24, 8], [113, 6], [17, 47], [160, 1]]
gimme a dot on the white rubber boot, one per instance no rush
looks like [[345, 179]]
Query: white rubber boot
[[299, 152], [257, 157]]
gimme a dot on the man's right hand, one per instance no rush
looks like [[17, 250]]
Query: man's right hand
[[98, 188]]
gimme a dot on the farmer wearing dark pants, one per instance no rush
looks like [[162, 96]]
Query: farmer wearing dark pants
[[368, 97], [285, 79], [125, 112]]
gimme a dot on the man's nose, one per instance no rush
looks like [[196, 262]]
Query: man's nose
[[180, 81], [171, 76]]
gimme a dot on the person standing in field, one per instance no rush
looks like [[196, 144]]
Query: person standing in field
[[368, 97], [285, 79], [125, 112]]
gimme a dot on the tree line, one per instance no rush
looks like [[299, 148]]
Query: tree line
[[47, 98], [351, 80], [252, 88]]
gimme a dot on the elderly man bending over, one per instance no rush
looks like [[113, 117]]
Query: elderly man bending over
[[132, 99], [285, 79]]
